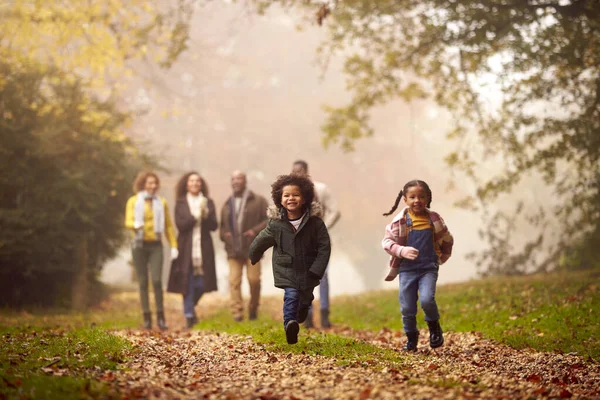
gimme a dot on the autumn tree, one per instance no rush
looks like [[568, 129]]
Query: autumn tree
[[67, 163], [540, 58]]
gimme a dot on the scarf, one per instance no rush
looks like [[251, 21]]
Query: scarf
[[158, 211], [237, 219], [198, 209]]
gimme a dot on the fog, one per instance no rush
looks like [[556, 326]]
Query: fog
[[247, 95]]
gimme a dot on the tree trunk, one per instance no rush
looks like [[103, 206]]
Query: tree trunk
[[80, 280]]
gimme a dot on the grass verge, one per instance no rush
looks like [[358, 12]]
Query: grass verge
[[266, 331], [552, 312], [44, 363]]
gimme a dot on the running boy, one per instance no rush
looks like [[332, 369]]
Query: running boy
[[301, 247]]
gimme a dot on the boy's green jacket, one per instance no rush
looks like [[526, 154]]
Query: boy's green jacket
[[299, 258]]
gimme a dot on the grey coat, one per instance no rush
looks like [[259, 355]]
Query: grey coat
[[299, 258]]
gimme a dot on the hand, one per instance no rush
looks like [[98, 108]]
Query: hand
[[249, 233], [227, 235], [409, 252], [137, 225], [174, 253], [204, 208]]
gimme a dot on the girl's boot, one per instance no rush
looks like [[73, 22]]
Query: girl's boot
[[160, 320], [436, 337], [147, 320], [411, 343]]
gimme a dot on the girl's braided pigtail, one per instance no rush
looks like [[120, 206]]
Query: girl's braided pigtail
[[395, 204]]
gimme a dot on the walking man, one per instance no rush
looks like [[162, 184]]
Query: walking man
[[331, 215], [243, 216]]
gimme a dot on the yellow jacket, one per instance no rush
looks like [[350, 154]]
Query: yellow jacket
[[149, 234]]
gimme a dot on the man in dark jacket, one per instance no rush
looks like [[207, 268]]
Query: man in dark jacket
[[243, 216]]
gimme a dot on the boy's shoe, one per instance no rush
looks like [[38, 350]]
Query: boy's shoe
[[302, 313], [291, 331], [436, 337], [411, 343]]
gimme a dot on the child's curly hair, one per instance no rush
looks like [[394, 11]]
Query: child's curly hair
[[307, 188]]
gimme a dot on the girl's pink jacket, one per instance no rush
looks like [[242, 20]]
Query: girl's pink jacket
[[396, 237]]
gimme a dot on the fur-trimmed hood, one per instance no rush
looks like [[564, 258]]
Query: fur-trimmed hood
[[316, 210]]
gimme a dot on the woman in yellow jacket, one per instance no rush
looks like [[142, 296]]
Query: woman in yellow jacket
[[147, 215]]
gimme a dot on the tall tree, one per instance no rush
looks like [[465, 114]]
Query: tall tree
[[67, 162], [540, 58]]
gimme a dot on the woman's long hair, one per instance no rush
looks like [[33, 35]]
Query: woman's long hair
[[181, 187]]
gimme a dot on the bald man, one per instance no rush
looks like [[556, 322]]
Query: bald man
[[243, 216]]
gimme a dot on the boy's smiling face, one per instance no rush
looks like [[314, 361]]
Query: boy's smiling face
[[292, 199]]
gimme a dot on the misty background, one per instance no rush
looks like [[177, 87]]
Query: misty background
[[247, 95]]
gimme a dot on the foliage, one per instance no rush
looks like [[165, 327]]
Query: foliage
[[97, 43], [64, 175], [553, 312], [522, 81], [67, 163]]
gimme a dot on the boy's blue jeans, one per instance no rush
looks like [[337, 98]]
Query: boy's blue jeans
[[292, 300], [415, 284]]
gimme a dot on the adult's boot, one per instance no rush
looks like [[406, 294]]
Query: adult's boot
[[253, 315], [160, 320], [308, 322], [147, 320], [325, 323], [189, 322], [413, 340], [436, 337]]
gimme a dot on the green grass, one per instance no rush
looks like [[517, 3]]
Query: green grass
[[120, 311], [50, 354], [44, 363], [552, 312], [271, 334]]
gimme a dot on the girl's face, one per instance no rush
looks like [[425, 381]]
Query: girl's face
[[194, 184], [151, 185], [416, 199], [291, 198]]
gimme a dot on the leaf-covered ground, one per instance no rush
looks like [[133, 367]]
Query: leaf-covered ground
[[196, 364], [180, 364], [199, 364]]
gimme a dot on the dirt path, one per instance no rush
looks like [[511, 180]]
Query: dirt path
[[191, 365]]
